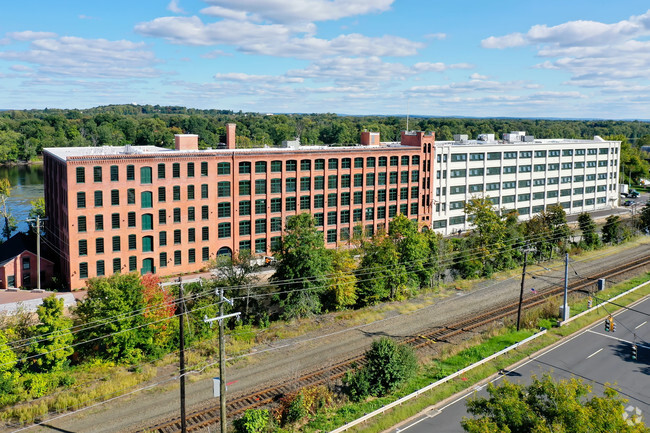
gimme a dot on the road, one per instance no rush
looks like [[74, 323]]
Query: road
[[596, 356]]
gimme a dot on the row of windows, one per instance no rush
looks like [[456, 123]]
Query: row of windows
[[526, 154], [147, 242], [146, 219], [332, 164], [147, 264], [526, 210], [146, 197], [145, 172], [490, 171], [462, 189]]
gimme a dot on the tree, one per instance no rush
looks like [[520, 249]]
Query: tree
[[9, 222], [342, 281], [51, 337], [388, 365], [644, 219], [303, 262], [547, 406], [38, 208], [253, 421], [413, 249], [633, 165], [159, 306], [117, 333], [612, 231], [237, 272], [381, 276], [588, 228]]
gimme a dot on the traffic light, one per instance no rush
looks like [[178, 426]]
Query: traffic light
[[613, 324], [634, 349], [607, 324]]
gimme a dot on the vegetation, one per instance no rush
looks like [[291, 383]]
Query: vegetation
[[8, 223], [548, 406]]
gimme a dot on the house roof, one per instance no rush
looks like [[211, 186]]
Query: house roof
[[16, 245]]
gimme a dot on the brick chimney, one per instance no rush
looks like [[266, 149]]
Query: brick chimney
[[186, 141], [230, 135], [369, 138]]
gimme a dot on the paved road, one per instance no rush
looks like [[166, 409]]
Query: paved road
[[596, 356]]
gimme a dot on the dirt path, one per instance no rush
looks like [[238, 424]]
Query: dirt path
[[334, 340]]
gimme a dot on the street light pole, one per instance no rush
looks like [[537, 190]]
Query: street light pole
[[521, 292], [565, 306]]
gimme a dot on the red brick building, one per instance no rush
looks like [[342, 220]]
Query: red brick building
[[150, 209], [18, 263]]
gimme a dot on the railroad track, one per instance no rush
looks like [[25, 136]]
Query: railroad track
[[238, 404]]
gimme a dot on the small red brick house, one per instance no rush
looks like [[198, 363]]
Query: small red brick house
[[18, 263]]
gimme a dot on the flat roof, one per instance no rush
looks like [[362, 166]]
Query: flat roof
[[542, 141], [68, 153]]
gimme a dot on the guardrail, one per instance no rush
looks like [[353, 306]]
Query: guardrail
[[434, 384]]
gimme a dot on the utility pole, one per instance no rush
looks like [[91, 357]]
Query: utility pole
[[521, 292], [181, 335], [38, 249], [222, 355], [565, 305]]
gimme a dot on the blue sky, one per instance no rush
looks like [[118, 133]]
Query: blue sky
[[570, 59]]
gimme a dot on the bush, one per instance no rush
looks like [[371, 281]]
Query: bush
[[388, 366], [253, 421]]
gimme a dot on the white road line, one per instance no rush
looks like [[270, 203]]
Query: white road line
[[594, 353], [641, 325]]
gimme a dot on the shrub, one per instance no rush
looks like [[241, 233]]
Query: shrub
[[253, 421]]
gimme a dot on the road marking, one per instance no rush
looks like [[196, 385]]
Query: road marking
[[641, 325], [594, 353]]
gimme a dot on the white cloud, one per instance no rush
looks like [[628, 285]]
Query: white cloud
[[247, 78], [282, 11], [29, 35], [21, 68], [89, 58], [215, 53], [438, 36], [476, 76], [218, 11], [274, 39], [174, 7]]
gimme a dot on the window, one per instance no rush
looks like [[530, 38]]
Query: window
[[204, 168], [83, 270], [276, 166], [97, 174], [205, 231], [176, 170], [81, 224], [493, 156], [223, 189], [319, 201], [523, 197], [415, 175], [345, 217], [493, 170], [291, 165], [358, 180], [525, 154], [305, 202], [177, 257], [223, 210], [176, 214], [205, 212], [132, 239], [331, 236], [117, 265], [161, 171], [190, 192], [177, 237], [551, 194], [130, 196], [392, 194], [508, 199], [319, 164], [566, 179], [260, 245], [567, 152], [579, 164], [509, 185], [523, 183], [509, 155], [145, 175], [347, 162], [476, 187], [162, 216], [370, 179], [115, 173], [276, 205], [223, 168], [494, 186], [567, 166], [538, 195], [205, 254], [381, 197], [370, 196], [476, 156], [525, 169], [260, 226], [540, 154], [244, 207], [244, 187], [319, 217], [539, 182], [115, 221], [358, 197], [415, 192], [460, 189], [540, 167], [204, 191], [290, 203], [510, 169], [291, 184], [147, 221], [553, 167], [130, 172], [276, 224], [358, 162], [83, 247], [81, 200], [260, 186], [146, 199], [99, 222], [260, 207], [381, 178], [305, 165], [553, 153], [333, 164], [331, 218], [81, 175], [244, 228], [260, 167], [162, 238], [332, 182], [99, 199], [191, 235], [147, 244], [244, 167], [305, 183], [370, 162]]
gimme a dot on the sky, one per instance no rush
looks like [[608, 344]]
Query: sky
[[498, 58]]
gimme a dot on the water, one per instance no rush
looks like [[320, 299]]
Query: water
[[26, 186]]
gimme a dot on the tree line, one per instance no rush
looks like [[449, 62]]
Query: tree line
[[24, 133]]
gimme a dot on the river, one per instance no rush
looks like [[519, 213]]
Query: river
[[26, 186]]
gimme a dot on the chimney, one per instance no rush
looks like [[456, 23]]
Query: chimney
[[369, 138], [186, 141], [230, 135]]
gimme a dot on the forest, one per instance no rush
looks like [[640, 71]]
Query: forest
[[24, 133]]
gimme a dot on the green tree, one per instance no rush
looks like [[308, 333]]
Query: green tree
[[613, 232], [547, 406], [237, 272], [644, 218], [342, 281], [8, 357], [388, 366], [303, 262], [633, 165], [588, 228], [8, 221], [413, 249], [381, 276], [253, 421], [50, 348], [117, 334], [38, 208]]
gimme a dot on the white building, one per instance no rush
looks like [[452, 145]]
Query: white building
[[524, 174]]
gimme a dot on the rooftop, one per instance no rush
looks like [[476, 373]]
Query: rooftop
[[516, 138]]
